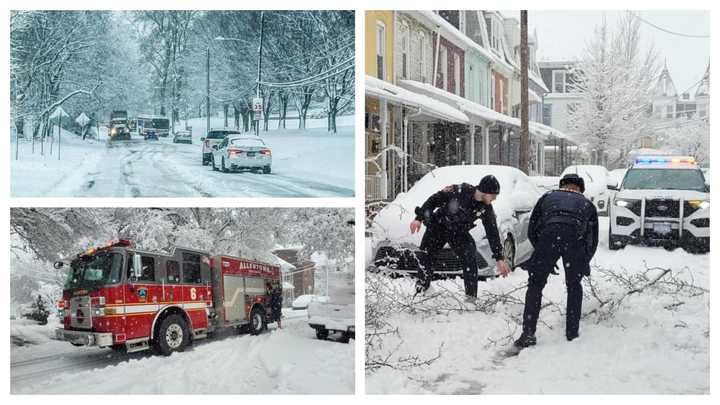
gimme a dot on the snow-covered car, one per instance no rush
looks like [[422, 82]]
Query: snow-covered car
[[546, 183], [213, 138], [598, 184], [662, 201], [241, 152], [327, 318], [182, 137], [396, 250], [303, 301]]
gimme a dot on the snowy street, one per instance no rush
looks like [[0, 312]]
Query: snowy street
[[290, 360], [301, 167], [651, 341]]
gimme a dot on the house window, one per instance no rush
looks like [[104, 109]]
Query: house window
[[423, 56], [558, 81], [492, 91], [456, 72], [380, 48], [443, 67], [669, 112], [404, 52], [547, 114], [501, 90]]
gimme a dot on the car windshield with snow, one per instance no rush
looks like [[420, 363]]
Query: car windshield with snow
[[665, 201], [396, 250]]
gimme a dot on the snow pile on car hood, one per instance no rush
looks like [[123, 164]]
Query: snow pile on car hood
[[393, 221]]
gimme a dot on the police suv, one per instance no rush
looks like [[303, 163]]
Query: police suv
[[662, 201]]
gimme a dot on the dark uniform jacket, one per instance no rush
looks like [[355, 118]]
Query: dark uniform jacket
[[455, 208], [566, 207]]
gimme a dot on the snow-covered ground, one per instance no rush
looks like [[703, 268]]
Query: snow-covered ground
[[309, 163], [285, 361], [654, 342]]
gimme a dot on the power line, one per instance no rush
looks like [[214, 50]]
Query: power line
[[667, 30]]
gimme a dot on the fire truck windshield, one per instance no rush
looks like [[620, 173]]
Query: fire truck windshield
[[95, 271]]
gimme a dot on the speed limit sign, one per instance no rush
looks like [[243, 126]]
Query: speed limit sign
[[257, 107]]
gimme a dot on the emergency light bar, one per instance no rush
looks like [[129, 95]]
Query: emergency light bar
[[654, 160]]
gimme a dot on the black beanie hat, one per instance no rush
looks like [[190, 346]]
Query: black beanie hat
[[572, 178], [489, 185]]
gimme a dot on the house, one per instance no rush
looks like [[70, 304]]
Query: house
[[301, 276]]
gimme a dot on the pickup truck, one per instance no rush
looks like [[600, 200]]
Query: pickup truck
[[328, 317]]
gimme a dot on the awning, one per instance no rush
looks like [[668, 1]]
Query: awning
[[428, 106], [478, 111]]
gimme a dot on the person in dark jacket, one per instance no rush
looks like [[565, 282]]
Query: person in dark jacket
[[275, 293], [449, 215], [563, 224]]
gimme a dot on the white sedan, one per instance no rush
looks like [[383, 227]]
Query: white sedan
[[598, 184], [241, 152], [396, 250]]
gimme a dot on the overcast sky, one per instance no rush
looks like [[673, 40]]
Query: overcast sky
[[562, 35]]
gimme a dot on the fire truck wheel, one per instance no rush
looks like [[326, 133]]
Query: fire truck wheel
[[258, 323], [172, 335]]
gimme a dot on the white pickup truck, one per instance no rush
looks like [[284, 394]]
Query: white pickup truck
[[329, 317]]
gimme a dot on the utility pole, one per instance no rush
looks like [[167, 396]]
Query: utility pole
[[207, 95], [259, 72], [524, 124]]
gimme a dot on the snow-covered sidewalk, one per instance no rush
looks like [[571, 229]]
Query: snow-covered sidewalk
[[654, 342], [286, 361]]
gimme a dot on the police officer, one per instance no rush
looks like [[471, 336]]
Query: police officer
[[449, 215], [563, 224]]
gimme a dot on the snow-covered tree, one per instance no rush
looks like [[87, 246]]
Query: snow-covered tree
[[615, 79], [688, 136]]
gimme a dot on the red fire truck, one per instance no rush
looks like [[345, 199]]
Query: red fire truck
[[116, 296]]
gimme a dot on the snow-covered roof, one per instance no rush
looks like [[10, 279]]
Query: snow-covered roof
[[478, 110], [388, 91]]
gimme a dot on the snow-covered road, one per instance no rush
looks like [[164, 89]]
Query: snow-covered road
[[309, 163], [654, 341], [290, 360]]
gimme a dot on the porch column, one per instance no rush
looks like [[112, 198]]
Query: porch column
[[383, 147], [472, 144]]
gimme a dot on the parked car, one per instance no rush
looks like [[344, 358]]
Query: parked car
[[182, 137], [396, 250], [303, 301], [598, 184], [151, 136], [546, 183], [213, 138], [241, 152], [332, 318]]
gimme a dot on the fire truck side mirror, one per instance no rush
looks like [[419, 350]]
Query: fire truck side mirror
[[58, 265], [137, 266]]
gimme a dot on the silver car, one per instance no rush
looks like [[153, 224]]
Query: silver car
[[396, 250], [241, 152], [182, 137]]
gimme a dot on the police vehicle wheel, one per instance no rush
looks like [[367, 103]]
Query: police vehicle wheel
[[321, 333], [345, 338], [257, 321], [509, 248], [613, 243], [172, 335], [266, 170]]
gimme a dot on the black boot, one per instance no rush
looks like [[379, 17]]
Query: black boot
[[571, 336], [525, 341]]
